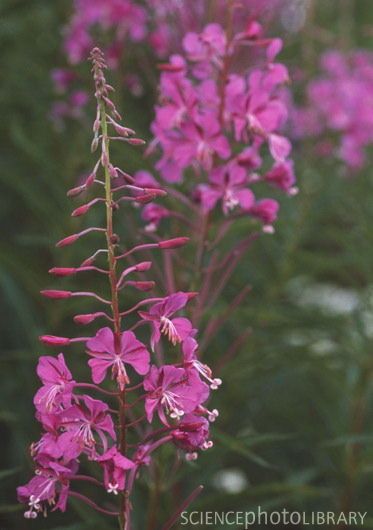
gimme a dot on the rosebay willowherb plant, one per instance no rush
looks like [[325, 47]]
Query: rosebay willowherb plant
[[138, 389], [219, 130]]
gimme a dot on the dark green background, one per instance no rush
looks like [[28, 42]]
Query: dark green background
[[297, 400]]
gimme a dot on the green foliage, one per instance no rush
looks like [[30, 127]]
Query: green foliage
[[296, 403]]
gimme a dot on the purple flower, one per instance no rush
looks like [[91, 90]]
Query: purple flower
[[192, 435], [190, 348], [228, 184], [173, 391], [81, 423], [49, 442], [57, 384], [266, 210], [115, 466], [200, 140], [175, 329], [206, 49], [105, 355], [282, 176], [153, 214], [50, 487]]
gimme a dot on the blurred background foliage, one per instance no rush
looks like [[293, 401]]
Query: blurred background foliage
[[295, 427]]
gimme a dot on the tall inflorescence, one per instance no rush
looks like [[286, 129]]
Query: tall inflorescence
[[146, 399], [134, 27], [218, 134], [335, 113]]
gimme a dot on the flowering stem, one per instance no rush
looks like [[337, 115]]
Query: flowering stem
[[91, 503], [112, 262]]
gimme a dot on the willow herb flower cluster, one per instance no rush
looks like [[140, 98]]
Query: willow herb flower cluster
[[140, 397], [339, 99], [212, 124], [158, 25]]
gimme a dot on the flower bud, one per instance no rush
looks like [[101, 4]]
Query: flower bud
[[75, 191], [144, 199], [69, 240], [136, 141], [62, 271], [85, 319], [56, 294], [81, 210], [52, 340], [143, 266], [173, 243], [142, 286]]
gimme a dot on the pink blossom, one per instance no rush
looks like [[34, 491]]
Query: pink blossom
[[229, 185], [81, 423], [282, 176], [175, 329], [115, 466], [50, 487], [105, 355], [172, 391], [206, 49], [266, 210], [192, 434], [190, 348], [153, 214], [57, 384]]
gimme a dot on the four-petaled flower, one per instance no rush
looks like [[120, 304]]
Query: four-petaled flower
[[173, 391], [106, 355], [227, 183], [57, 384], [82, 422], [49, 487], [175, 329], [115, 466]]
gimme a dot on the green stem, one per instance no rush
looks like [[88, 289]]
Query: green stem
[[113, 279]]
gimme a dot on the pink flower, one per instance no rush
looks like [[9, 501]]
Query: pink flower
[[57, 384], [200, 140], [282, 176], [227, 183], [50, 487], [255, 109], [82, 422], [153, 214], [175, 329], [49, 442], [115, 466], [105, 355], [206, 49], [266, 210], [190, 348], [192, 435], [172, 391]]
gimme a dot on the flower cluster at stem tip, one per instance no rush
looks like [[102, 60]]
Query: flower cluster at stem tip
[[137, 387]]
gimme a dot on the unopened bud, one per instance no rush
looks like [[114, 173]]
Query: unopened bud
[[69, 240], [136, 141], [62, 271], [75, 191], [94, 144], [145, 199], [85, 319], [143, 266], [81, 210], [157, 192], [168, 67], [173, 243], [53, 293], [113, 172], [142, 286], [52, 340]]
